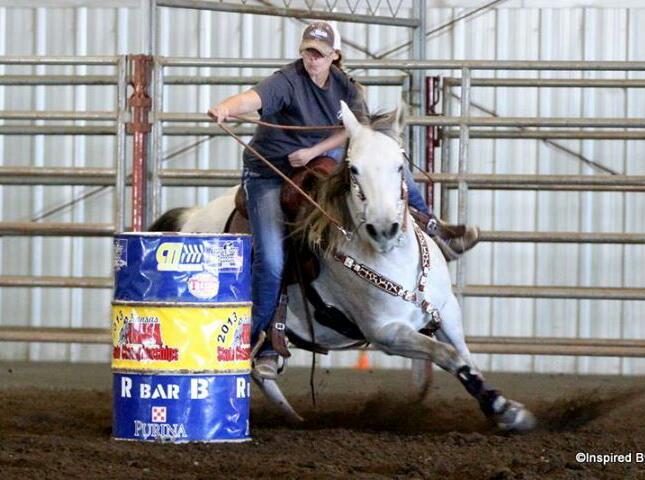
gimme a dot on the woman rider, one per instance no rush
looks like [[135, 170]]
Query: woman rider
[[305, 92]]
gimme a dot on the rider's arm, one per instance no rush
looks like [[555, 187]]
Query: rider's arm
[[239, 104], [268, 97], [336, 140], [302, 156]]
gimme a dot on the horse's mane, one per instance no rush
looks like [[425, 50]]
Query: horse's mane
[[315, 228]]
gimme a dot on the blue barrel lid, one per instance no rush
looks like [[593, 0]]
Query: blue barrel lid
[[182, 267]]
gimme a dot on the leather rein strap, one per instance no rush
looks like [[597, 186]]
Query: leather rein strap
[[277, 171], [288, 127]]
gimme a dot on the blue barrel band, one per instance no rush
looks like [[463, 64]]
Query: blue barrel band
[[181, 408]]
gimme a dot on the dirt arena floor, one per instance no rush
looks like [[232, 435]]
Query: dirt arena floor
[[55, 423]]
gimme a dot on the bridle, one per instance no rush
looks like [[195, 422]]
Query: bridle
[[374, 278], [356, 187], [380, 281]]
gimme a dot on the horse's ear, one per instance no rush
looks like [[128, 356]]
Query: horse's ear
[[352, 125], [399, 117]]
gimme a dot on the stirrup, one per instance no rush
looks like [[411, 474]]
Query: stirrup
[[258, 344], [266, 367]]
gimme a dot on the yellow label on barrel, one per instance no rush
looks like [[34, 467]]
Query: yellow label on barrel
[[181, 338]]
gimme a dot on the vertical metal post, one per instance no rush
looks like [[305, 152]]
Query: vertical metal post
[[624, 199], [120, 159], [139, 127], [156, 150], [147, 9], [421, 369], [464, 141], [37, 197], [157, 137], [417, 89], [585, 213], [3, 51], [153, 206], [74, 248], [446, 110], [203, 97], [432, 140]]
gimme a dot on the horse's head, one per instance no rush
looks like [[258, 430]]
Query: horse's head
[[377, 197]]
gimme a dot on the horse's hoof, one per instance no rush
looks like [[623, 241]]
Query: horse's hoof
[[515, 417]]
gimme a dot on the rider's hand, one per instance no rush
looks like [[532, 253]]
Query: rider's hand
[[219, 112], [301, 157]]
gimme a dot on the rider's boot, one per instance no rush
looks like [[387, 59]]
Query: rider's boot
[[265, 360], [453, 240], [266, 357]]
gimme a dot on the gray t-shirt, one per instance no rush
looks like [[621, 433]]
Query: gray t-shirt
[[290, 97]]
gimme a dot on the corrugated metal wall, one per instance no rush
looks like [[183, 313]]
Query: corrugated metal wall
[[504, 34]]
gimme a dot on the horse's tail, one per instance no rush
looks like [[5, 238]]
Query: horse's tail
[[171, 221]]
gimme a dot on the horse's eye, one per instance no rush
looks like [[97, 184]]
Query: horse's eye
[[400, 168], [353, 170]]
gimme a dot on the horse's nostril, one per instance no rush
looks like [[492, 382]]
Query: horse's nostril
[[394, 229], [371, 230]]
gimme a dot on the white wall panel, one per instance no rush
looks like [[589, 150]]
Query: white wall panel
[[64, 31], [528, 30]]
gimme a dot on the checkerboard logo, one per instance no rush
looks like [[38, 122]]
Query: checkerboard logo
[[158, 414]]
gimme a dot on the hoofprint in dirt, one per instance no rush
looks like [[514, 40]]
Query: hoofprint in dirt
[[55, 422]]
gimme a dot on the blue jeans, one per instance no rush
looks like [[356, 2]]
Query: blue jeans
[[415, 199], [269, 231]]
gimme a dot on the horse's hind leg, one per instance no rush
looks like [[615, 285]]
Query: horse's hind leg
[[401, 339]]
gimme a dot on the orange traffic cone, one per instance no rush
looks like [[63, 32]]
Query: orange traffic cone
[[363, 362]]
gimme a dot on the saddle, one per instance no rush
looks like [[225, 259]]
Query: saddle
[[301, 266], [291, 200]]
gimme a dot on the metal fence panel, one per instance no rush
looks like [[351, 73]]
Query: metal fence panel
[[502, 34]]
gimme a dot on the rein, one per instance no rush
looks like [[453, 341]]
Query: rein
[[276, 170], [287, 127]]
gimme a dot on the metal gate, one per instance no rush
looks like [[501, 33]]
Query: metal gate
[[451, 129]]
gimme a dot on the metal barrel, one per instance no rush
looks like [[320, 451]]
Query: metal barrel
[[179, 268], [181, 332]]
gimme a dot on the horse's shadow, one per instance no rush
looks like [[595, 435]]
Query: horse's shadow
[[383, 412], [573, 413]]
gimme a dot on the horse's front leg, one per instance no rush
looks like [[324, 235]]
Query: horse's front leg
[[401, 339], [452, 330]]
